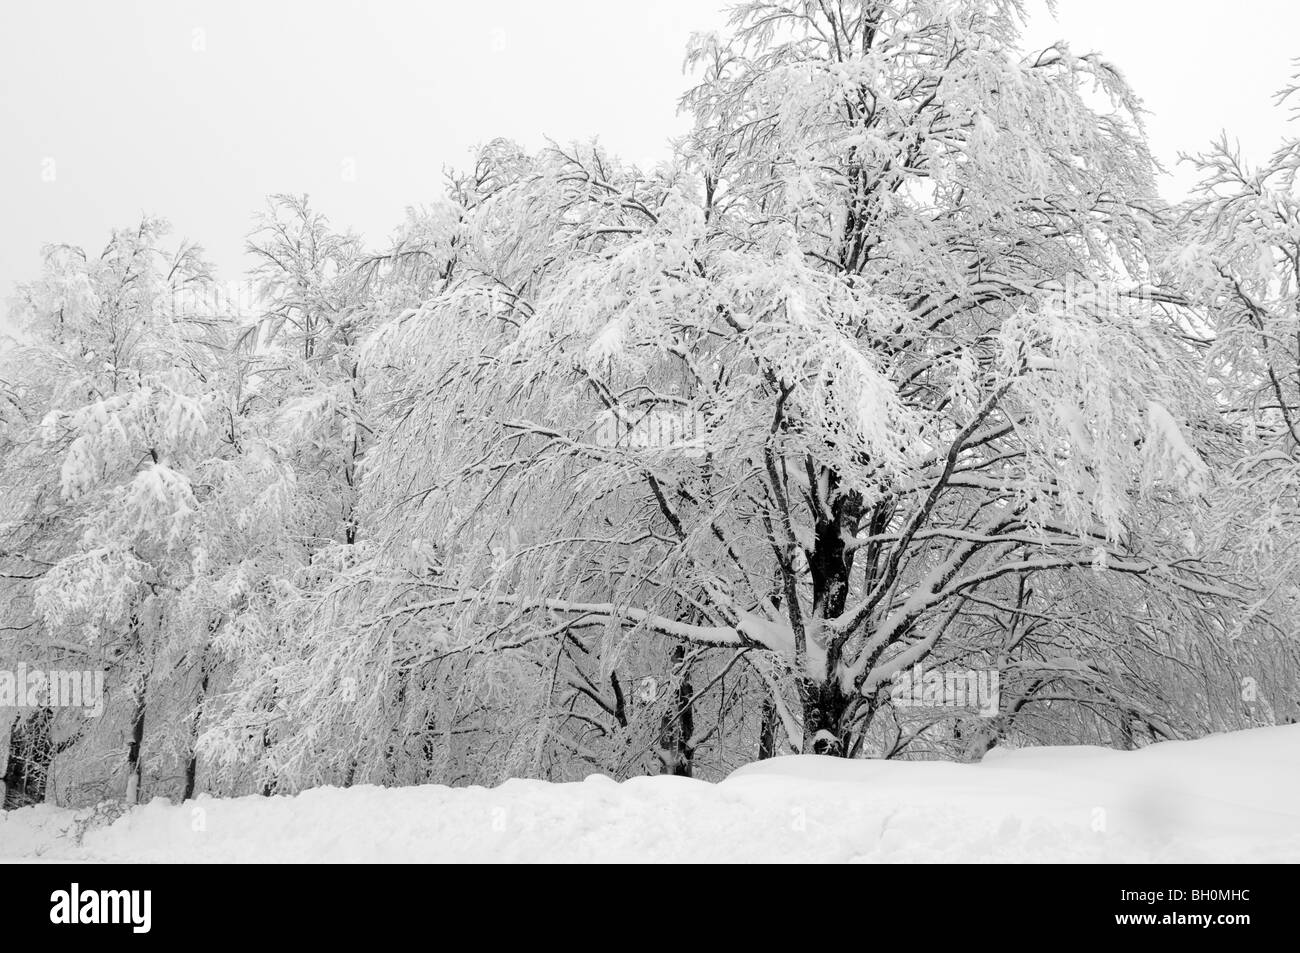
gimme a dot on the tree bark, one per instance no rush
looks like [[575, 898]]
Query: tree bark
[[825, 705], [678, 725], [31, 751], [767, 731], [134, 769], [192, 765]]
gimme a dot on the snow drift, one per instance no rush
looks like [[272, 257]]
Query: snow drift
[[1223, 798]]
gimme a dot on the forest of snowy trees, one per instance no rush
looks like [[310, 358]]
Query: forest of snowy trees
[[899, 364]]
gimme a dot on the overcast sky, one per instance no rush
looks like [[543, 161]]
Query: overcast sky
[[195, 111]]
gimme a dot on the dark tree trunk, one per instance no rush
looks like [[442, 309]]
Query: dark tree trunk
[[135, 747], [678, 725], [825, 720], [31, 751], [192, 765], [620, 701], [134, 770], [269, 785], [825, 705], [767, 731]]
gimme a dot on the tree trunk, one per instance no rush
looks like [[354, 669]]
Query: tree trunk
[[269, 785], [31, 752], [767, 732], [825, 705], [134, 770], [825, 725], [134, 750], [678, 726], [192, 765]]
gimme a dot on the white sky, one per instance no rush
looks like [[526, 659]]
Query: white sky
[[197, 110]]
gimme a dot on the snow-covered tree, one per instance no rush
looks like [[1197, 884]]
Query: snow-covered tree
[[816, 398], [1238, 259], [138, 436]]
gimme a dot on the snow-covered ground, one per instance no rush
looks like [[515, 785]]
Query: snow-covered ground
[[1224, 798]]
